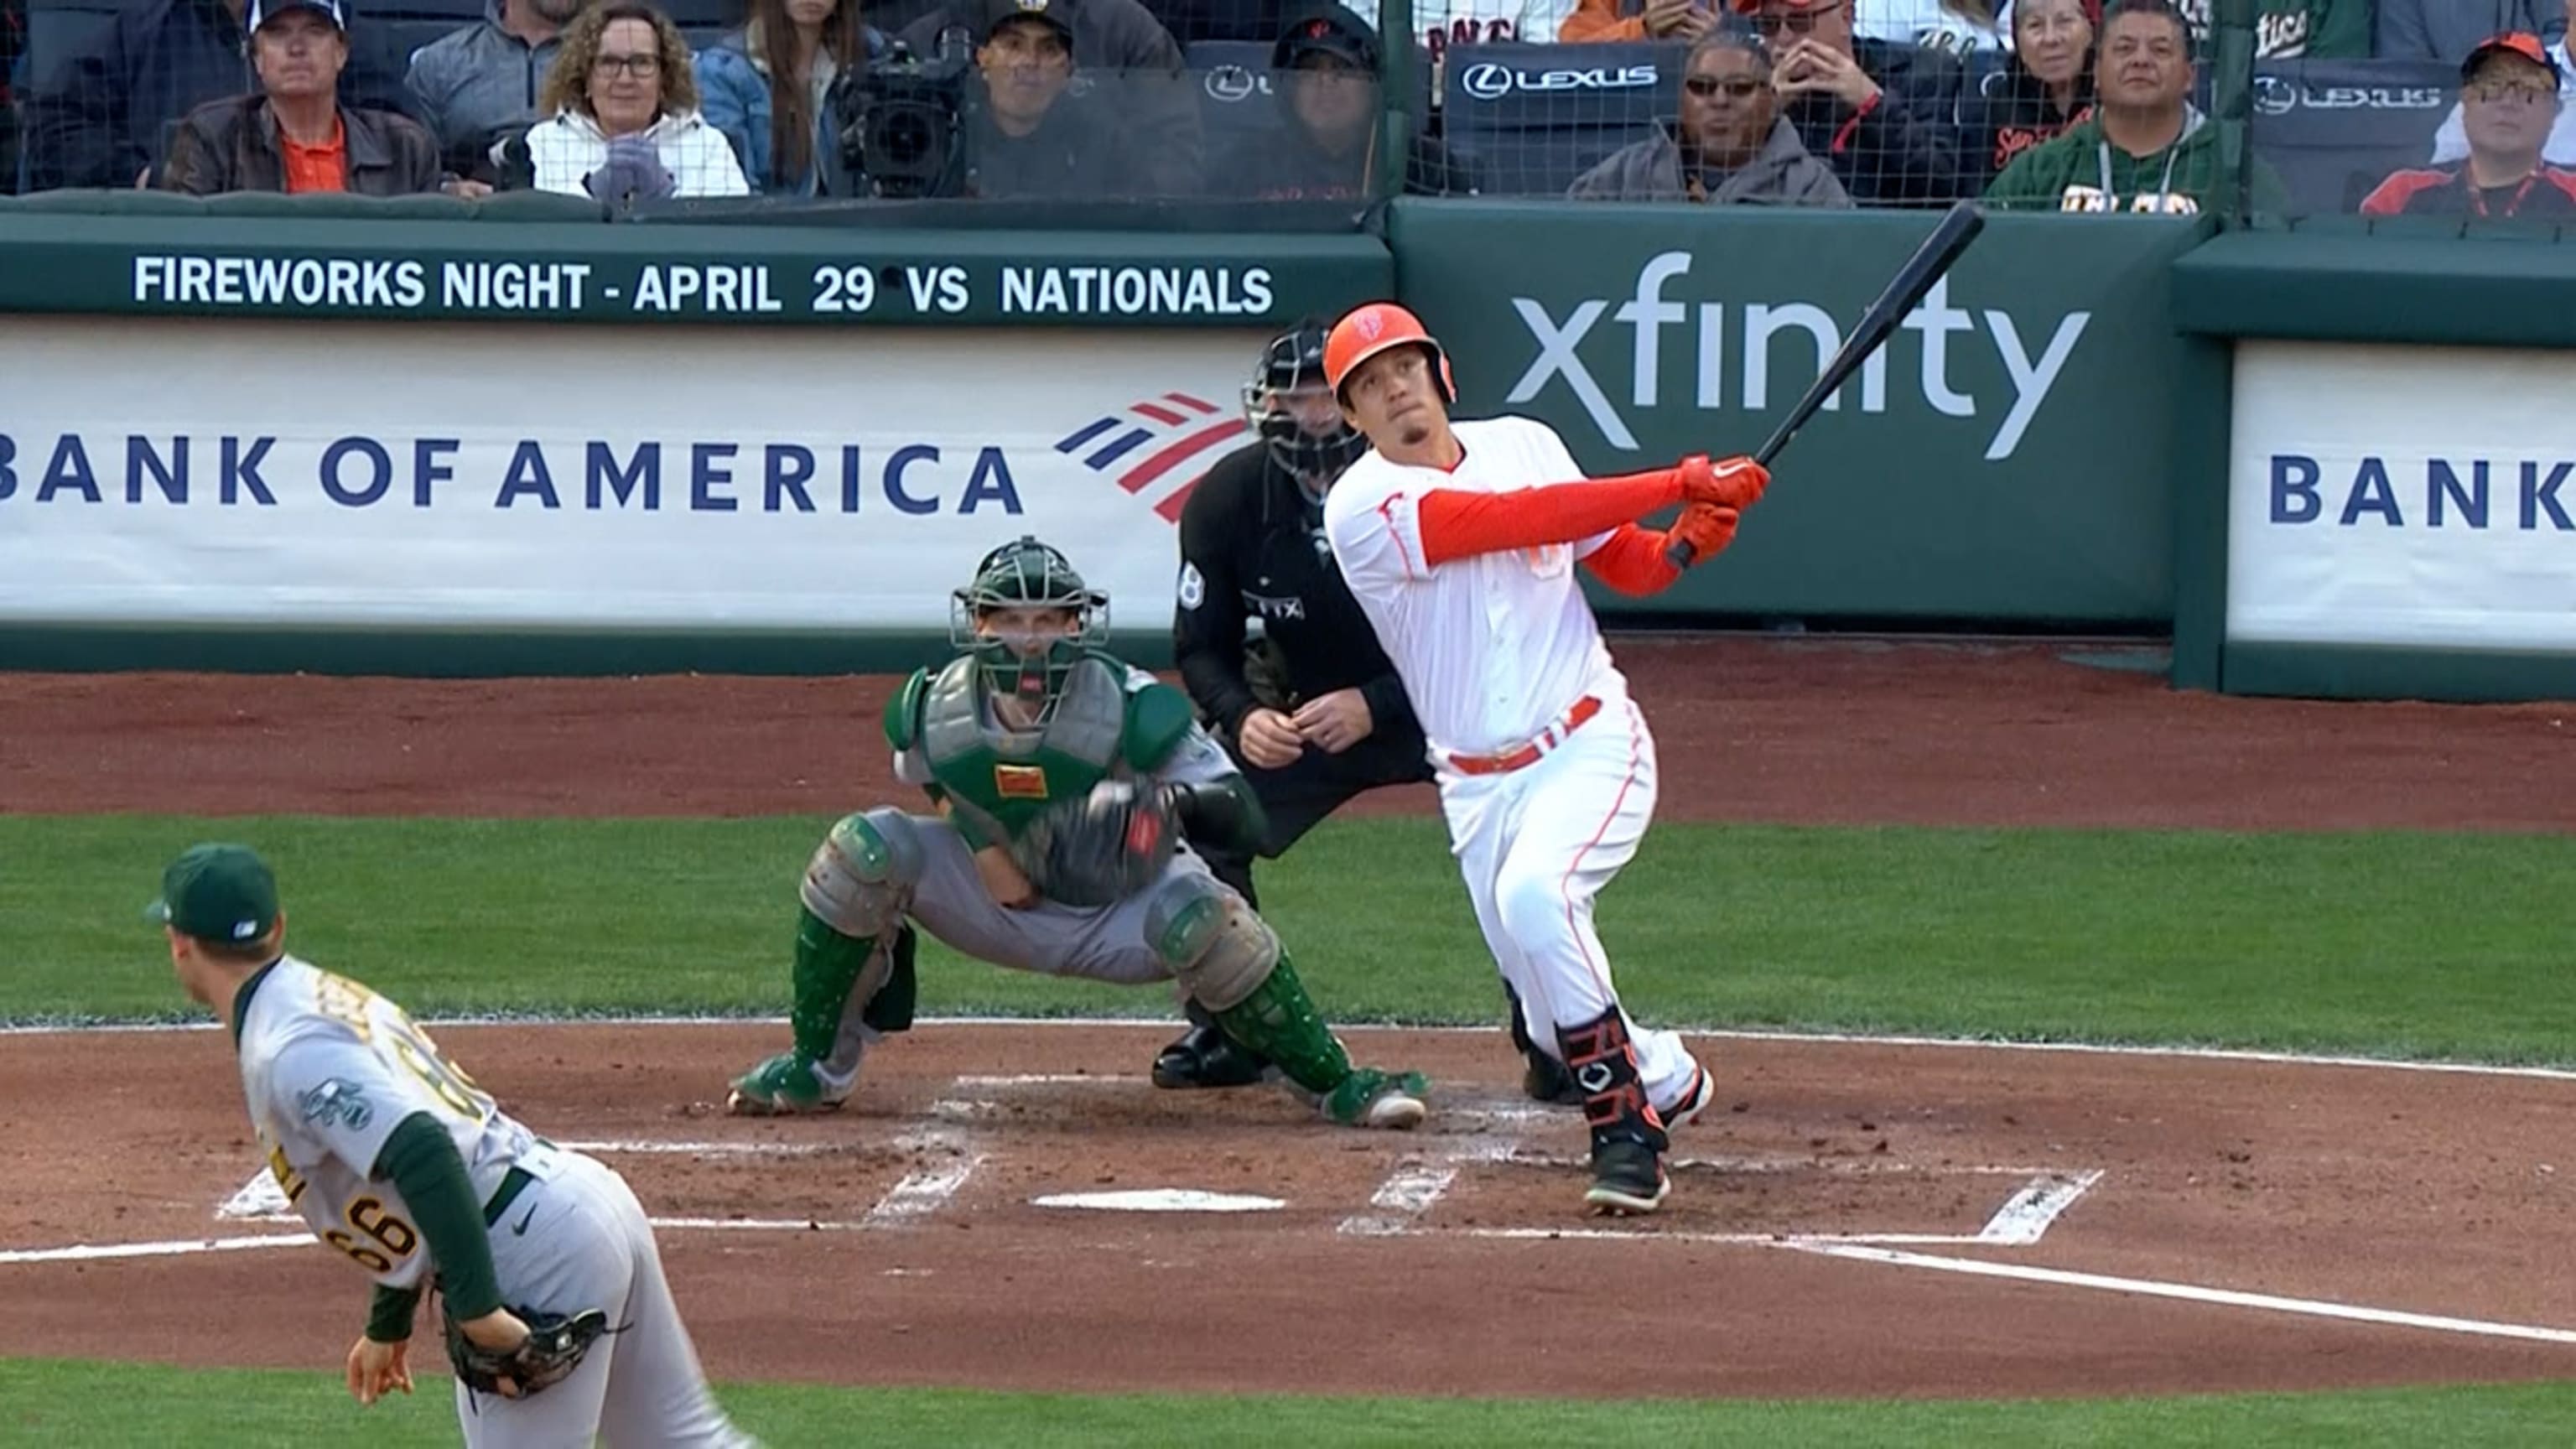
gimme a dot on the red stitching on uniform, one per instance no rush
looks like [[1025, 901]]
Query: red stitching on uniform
[[1386, 511], [1574, 927]]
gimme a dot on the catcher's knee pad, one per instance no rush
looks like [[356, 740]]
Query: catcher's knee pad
[[860, 874], [1215, 945]]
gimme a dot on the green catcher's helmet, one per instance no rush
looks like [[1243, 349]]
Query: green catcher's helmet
[[1027, 574]]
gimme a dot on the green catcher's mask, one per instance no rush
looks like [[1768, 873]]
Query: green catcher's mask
[[1027, 574]]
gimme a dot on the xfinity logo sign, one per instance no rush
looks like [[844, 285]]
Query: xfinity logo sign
[[2276, 96], [1491, 82], [1816, 336]]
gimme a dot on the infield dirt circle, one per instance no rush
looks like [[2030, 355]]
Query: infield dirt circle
[[1849, 1219]]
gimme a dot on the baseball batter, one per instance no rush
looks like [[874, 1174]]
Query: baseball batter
[[1460, 542], [403, 1165], [1065, 781]]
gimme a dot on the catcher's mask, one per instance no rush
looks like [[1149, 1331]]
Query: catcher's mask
[[1029, 667], [1292, 407]]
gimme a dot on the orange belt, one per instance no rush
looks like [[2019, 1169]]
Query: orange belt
[[1528, 754]]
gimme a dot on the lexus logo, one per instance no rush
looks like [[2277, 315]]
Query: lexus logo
[[2274, 96], [1487, 82], [1233, 83]]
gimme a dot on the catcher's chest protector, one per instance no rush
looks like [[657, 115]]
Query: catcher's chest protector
[[1009, 778]]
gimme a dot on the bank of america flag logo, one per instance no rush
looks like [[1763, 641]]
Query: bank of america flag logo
[[1177, 437]]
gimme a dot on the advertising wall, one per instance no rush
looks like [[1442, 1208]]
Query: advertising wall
[[2402, 496], [435, 475], [2009, 455]]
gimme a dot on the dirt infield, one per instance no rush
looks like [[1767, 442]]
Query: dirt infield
[[1851, 1218]]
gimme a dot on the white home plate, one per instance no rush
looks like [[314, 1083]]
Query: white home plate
[[1161, 1200]]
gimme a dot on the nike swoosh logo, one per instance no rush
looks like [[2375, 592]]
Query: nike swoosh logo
[[520, 1228]]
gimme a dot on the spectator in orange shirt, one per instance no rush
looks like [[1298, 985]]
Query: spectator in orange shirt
[[2508, 103], [295, 136], [1640, 20]]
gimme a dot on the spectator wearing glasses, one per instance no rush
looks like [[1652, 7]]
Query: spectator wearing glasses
[[2451, 142], [2508, 104], [476, 84], [624, 123], [1324, 68], [293, 135], [781, 130], [2046, 87], [2146, 149], [1729, 145], [1882, 115]]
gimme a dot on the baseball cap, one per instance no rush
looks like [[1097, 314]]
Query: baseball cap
[[217, 892], [262, 10], [2517, 42], [990, 15], [1335, 32]]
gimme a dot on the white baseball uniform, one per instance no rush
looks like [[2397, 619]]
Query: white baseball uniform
[[330, 1069], [1545, 768]]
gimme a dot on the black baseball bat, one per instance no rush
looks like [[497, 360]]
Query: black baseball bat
[[1929, 262]]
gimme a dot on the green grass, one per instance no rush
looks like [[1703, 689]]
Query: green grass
[[2383, 943], [54, 1402]]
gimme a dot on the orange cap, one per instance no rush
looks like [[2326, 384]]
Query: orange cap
[[1371, 329]]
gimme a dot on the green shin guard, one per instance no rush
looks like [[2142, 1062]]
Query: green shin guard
[[828, 964], [1279, 1021]]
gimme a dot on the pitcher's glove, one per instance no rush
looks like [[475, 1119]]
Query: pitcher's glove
[[1102, 848], [554, 1347]]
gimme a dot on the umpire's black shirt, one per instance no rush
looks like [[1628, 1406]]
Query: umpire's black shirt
[[1252, 545]]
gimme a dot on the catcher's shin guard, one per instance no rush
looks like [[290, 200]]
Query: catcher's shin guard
[[1628, 1137], [834, 973], [1279, 1023]]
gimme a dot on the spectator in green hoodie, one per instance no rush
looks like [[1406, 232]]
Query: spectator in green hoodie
[[2146, 149]]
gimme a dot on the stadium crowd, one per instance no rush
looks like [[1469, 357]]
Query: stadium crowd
[[2060, 105]]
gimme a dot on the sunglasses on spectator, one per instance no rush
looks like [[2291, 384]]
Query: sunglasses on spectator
[[641, 65], [2524, 91], [1737, 86], [1796, 22]]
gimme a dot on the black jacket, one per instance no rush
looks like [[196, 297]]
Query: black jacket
[[1138, 66], [1077, 153], [2009, 119], [104, 116], [1251, 545], [1903, 149], [1284, 164]]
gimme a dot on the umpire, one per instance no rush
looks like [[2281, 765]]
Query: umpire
[[1312, 710]]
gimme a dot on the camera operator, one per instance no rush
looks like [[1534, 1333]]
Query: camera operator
[[1137, 65], [1032, 137]]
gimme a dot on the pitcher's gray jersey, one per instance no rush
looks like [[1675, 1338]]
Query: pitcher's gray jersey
[[329, 1069]]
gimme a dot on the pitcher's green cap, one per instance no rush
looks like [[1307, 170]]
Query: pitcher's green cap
[[217, 893]]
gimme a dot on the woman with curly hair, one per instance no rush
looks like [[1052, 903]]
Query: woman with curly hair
[[625, 123]]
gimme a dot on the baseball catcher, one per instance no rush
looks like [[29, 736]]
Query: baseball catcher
[[1068, 787]]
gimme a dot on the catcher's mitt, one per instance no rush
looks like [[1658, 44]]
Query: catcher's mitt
[[555, 1346], [1102, 848]]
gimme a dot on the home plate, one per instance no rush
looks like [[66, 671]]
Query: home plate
[[1161, 1200]]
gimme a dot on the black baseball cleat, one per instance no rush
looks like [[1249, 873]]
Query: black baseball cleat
[[1205, 1056], [1547, 1080], [1627, 1178]]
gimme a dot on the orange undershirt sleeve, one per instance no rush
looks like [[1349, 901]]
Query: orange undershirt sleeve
[[1456, 524]]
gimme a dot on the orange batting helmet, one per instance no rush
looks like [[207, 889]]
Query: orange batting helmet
[[1372, 329]]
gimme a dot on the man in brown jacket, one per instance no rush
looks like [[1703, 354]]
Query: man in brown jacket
[[295, 136], [1730, 143]]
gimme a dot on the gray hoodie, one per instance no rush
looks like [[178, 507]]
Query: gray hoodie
[[1782, 173]]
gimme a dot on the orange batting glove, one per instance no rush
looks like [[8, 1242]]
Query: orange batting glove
[[1707, 527], [1734, 483]]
